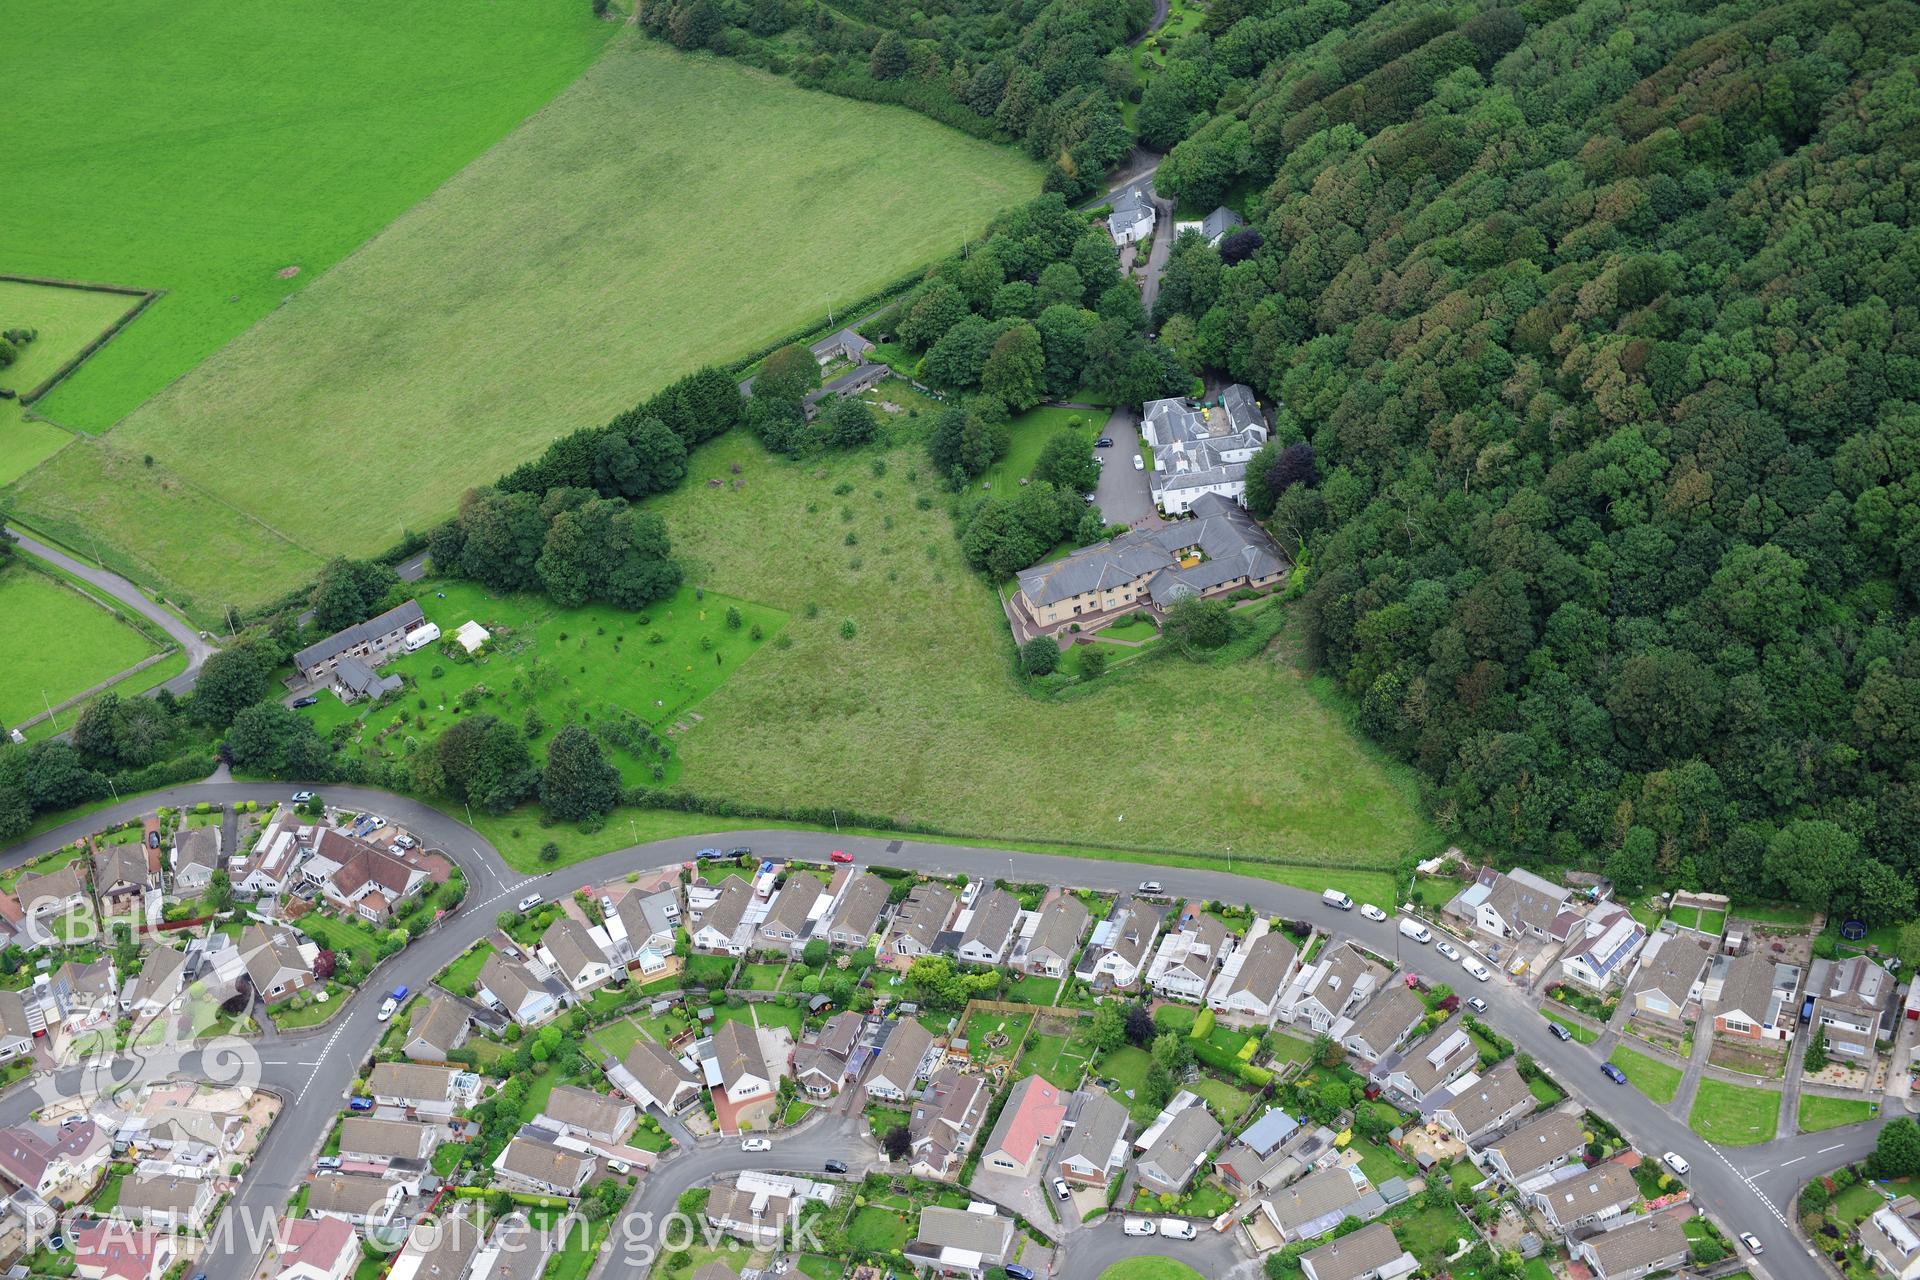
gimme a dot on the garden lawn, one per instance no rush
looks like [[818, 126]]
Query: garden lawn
[[617, 1037], [65, 321], [1227, 1100], [759, 977], [1030, 433], [1061, 1059], [1034, 990], [876, 1230], [56, 642], [662, 213], [339, 934], [321, 125], [1127, 1068], [1817, 1112], [465, 971], [1650, 1076], [1379, 1163], [566, 664], [1734, 1115]]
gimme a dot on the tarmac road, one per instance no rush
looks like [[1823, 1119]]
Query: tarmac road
[[1747, 1188]]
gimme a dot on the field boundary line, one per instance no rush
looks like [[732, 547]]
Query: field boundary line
[[104, 685], [144, 298]]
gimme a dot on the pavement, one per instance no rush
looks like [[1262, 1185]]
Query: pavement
[[1748, 1188], [197, 647]]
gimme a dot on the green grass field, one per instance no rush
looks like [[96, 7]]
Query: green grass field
[[571, 664], [849, 719], [225, 145], [1734, 1115], [662, 213], [55, 643], [1030, 432], [66, 320], [1818, 1112], [1650, 1076]]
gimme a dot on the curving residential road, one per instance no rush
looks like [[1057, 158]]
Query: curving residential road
[[197, 649], [1750, 1189]]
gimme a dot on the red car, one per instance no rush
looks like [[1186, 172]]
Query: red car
[[840, 855]]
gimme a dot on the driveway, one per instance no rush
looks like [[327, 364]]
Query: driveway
[[1123, 494]]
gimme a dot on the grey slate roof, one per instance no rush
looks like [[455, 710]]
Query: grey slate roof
[[361, 680], [1315, 1196], [568, 941], [1588, 1191], [1218, 223], [1488, 1098], [1263, 971], [1637, 1244], [1358, 1253], [439, 1024], [1387, 1017], [401, 615], [924, 914], [860, 905], [1540, 1142], [737, 1046], [1099, 1124], [1062, 923], [994, 916], [1234, 544], [730, 908]]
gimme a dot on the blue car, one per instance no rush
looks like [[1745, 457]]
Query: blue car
[[1613, 1073], [360, 1104], [399, 993]]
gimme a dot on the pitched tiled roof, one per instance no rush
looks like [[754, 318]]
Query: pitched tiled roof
[[1358, 1253], [571, 946], [737, 1046], [402, 615], [1033, 1114], [861, 903], [993, 920], [1061, 924], [1637, 1244]]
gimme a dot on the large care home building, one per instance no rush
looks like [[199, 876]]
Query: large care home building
[[1221, 550], [1200, 451]]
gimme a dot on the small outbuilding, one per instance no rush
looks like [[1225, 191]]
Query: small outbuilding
[[472, 635]]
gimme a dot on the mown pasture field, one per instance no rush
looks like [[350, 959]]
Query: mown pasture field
[[663, 213], [64, 321], [203, 148], [55, 642]]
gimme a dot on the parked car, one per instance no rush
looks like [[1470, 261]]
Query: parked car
[[379, 823], [741, 852], [1336, 899], [1104, 442], [1138, 1226], [327, 1162], [1088, 498], [1139, 464], [835, 1166], [839, 855], [531, 901], [1060, 1190], [400, 993], [387, 1008], [1558, 1032], [1613, 1073], [606, 903], [407, 842], [710, 855], [1447, 949], [1372, 912], [619, 1166], [308, 701], [756, 1144], [1415, 930], [1150, 886], [301, 797], [1473, 966], [359, 1104], [1752, 1242], [1676, 1162], [1178, 1229], [1476, 1004], [1017, 1272]]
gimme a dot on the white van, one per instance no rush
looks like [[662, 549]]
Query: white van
[[1336, 899], [1415, 930], [1473, 966]]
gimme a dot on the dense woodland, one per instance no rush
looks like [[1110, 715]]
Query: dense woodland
[[1597, 322]]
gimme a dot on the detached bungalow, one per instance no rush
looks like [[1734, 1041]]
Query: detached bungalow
[[903, 1061], [1634, 1249], [1534, 1150], [920, 921], [1583, 1197], [855, 918], [573, 1110], [1479, 1106], [1255, 976], [989, 933], [1371, 1253], [1383, 1022], [944, 1120], [961, 1242], [1331, 988], [568, 949], [1096, 1147], [1029, 1122], [653, 1076], [721, 929], [1121, 945], [1429, 1064], [1049, 952], [518, 992], [544, 1167], [1169, 1164], [1185, 963]]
